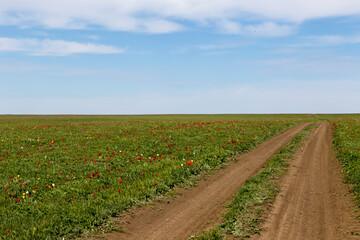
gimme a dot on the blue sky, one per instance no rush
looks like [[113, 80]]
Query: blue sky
[[179, 56]]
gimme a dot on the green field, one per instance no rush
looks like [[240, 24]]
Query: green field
[[180, 117], [61, 176], [177, 117], [64, 175], [346, 138]]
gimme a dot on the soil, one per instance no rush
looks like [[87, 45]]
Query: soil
[[193, 209], [314, 202]]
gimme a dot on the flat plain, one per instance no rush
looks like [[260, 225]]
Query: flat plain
[[66, 176]]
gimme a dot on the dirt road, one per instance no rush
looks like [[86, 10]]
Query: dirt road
[[313, 202], [188, 213]]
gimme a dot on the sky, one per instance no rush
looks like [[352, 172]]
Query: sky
[[179, 56]]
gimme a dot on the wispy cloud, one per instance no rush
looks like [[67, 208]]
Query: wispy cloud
[[322, 66], [333, 40], [284, 50], [164, 16], [93, 37], [159, 26], [265, 29], [49, 47], [220, 46], [17, 66], [213, 48]]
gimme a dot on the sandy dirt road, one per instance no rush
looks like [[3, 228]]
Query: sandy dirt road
[[313, 202], [189, 212]]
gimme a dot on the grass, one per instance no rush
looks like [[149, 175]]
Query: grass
[[178, 117], [245, 212], [72, 217], [346, 139], [61, 178], [337, 116], [161, 117]]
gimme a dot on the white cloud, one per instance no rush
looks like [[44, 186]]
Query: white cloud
[[93, 37], [265, 29], [160, 26], [206, 47], [53, 47], [333, 40], [327, 65], [15, 66], [162, 16]]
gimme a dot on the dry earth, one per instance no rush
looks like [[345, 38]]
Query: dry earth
[[314, 202]]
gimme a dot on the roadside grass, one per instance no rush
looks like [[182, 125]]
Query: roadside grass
[[113, 224], [346, 140], [246, 211], [337, 116]]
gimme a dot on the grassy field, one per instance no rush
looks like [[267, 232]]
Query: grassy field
[[176, 117], [180, 117], [337, 116], [346, 138], [63, 176]]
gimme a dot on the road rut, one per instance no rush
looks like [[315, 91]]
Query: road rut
[[189, 212], [313, 203]]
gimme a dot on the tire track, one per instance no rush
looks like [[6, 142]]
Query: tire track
[[312, 203], [188, 213]]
